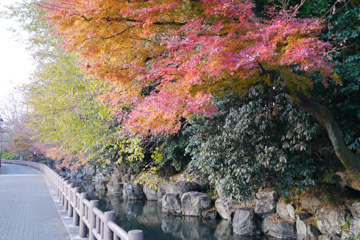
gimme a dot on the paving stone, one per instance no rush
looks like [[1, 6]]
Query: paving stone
[[26, 207]]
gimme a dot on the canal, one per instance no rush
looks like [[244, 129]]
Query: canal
[[147, 216]]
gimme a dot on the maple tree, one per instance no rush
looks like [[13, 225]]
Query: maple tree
[[165, 59]]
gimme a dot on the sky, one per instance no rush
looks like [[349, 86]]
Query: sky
[[15, 62]]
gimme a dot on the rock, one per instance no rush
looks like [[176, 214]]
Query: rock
[[181, 187], [194, 203], [101, 185], [354, 209], [224, 208], [151, 194], [210, 214], [223, 230], [126, 178], [279, 230], [306, 231], [160, 193], [310, 203], [171, 204], [244, 222], [328, 237], [114, 186], [133, 191], [266, 203], [100, 181], [330, 220], [285, 211], [346, 235], [355, 227]]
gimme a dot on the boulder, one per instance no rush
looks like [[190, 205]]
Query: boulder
[[101, 185], [133, 191], [244, 222], [181, 187], [171, 204], [126, 178], [306, 231], [161, 193], [112, 189], [330, 220], [354, 209], [224, 208], [278, 229], [310, 203], [266, 203], [114, 186], [151, 194], [328, 237], [194, 203], [346, 235], [285, 211], [355, 227]]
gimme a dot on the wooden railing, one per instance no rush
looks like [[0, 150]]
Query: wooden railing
[[92, 222]]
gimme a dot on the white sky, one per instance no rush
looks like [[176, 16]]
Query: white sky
[[15, 62]]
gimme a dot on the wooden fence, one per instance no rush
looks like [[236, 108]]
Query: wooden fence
[[92, 222]]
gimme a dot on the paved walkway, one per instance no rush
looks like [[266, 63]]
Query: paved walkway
[[27, 211]]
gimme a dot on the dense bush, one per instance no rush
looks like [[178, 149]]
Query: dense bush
[[173, 152], [252, 145]]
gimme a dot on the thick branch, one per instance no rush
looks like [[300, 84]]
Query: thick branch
[[326, 119]]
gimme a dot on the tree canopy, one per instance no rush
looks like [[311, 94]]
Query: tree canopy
[[216, 85]]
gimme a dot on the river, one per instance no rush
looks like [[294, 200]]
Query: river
[[147, 216]]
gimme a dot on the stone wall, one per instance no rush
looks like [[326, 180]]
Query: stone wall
[[268, 215]]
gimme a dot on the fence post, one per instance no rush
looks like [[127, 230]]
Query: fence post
[[57, 186], [75, 214], [82, 230], [108, 216], [63, 182], [71, 200], [93, 204], [135, 235], [66, 195]]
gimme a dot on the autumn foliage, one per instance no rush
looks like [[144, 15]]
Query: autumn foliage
[[166, 59]]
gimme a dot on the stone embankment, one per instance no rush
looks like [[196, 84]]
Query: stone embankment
[[268, 214]]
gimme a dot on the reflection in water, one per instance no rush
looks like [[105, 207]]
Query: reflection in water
[[147, 216]]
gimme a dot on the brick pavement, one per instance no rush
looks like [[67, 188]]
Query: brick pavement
[[27, 211]]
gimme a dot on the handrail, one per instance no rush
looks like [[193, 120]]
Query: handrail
[[92, 222]]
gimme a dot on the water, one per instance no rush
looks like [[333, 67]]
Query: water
[[147, 216]]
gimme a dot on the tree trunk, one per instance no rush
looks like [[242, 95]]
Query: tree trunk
[[325, 118]]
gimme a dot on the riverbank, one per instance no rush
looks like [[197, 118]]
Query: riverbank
[[314, 214]]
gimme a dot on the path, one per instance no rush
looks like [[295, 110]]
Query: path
[[27, 211]]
